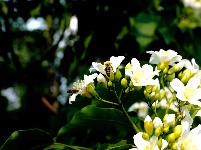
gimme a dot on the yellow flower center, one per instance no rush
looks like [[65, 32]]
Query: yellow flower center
[[188, 145], [138, 76], [189, 92], [148, 148]]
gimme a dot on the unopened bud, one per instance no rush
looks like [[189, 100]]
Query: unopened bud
[[166, 70], [148, 126], [149, 88], [161, 66], [91, 90], [166, 129], [161, 95], [111, 77], [145, 136], [131, 84], [160, 143], [170, 77], [118, 75], [171, 138], [137, 88], [174, 146], [127, 90], [158, 131], [124, 83], [109, 83], [155, 88], [177, 131]]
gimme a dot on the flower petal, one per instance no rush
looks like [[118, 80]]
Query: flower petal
[[116, 61]]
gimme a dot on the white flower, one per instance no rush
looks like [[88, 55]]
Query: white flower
[[114, 63], [141, 76], [147, 145], [190, 92], [157, 122], [193, 66], [169, 119], [187, 121], [80, 87], [141, 107], [73, 24], [101, 78], [190, 140], [168, 57]]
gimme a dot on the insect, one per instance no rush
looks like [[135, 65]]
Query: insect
[[108, 68], [72, 91]]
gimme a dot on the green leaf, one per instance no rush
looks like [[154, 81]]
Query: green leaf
[[91, 117], [118, 146], [27, 139], [60, 146]]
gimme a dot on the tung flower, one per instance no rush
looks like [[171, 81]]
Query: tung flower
[[147, 145], [141, 76], [190, 92], [168, 57], [112, 65], [80, 87]]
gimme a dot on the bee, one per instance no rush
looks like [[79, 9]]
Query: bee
[[108, 68], [72, 91]]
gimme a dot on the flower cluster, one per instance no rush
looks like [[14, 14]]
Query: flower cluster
[[168, 82]]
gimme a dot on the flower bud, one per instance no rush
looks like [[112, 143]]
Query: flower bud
[[111, 78], [160, 143], [102, 81], [177, 131], [170, 77], [148, 125], [91, 90], [137, 88], [166, 129], [131, 84], [145, 136], [174, 146], [155, 88], [158, 131], [171, 138], [161, 66], [149, 88], [127, 90], [166, 70], [128, 66], [109, 83], [118, 75], [124, 83]]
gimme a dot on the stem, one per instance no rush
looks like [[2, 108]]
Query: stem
[[105, 101], [125, 112]]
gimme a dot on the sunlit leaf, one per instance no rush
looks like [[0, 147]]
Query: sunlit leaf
[[93, 117]]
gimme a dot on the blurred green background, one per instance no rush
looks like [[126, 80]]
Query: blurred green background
[[42, 53]]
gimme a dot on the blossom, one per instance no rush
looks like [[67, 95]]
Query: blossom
[[114, 62], [157, 122], [190, 139], [141, 76], [190, 92], [168, 57], [145, 145], [80, 87], [142, 108]]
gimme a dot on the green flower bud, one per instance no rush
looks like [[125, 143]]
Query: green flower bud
[[155, 88], [118, 75], [170, 77], [124, 83], [138, 88], [131, 84], [171, 70], [158, 131], [145, 136], [180, 75], [149, 126], [166, 129], [160, 143], [177, 131], [111, 78], [91, 89], [146, 94], [109, 83], [166, 70], [161, 66], [174, 146], [149, 88], [127, 90], [171, 138]]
